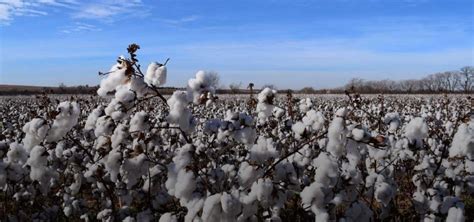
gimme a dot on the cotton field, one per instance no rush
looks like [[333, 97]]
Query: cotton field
[[132, 154]]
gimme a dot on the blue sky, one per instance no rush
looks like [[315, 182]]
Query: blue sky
[[289, 43]]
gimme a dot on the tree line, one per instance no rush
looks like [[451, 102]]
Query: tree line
[[458, 81]]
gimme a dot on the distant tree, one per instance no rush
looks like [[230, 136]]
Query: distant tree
[[307, 90], [62, 87], [466, 78], [214, 79], [235, 87]]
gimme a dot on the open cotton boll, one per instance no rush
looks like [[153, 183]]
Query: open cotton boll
[[230, 204], [104, 126], [138, 86], [247, 174], [39, 170], [384, 193], [17, 154], [201, 85], [168, 217], [139, 122], [416, 130], [212, 209], [247, 135], [132, 169], [120, 105], [261, 190], [35, 132], [299, 129], [463, 142], [456, 214], [393, 120], [305, 104], [265, 105], [337, 135], [76, 186], [113, 161], [358, 134], [315, 120], [327, 170], [93, 116], [155, 74], [115, 77], [264, 150], [313, 197], [66, 119], [179, 113]]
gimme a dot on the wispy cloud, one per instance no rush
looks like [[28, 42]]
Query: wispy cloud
[[110, 10], [106, 11], [15, 8], [179, 21], [80, 27]]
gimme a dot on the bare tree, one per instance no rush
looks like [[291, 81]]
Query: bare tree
[[467, 76], [214, 79], [235, 87]]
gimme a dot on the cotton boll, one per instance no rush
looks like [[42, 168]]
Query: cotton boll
[[66, 119], [179, 113], [138, 86], [120, 135], [105, 215], [299, 129], [115, 78], [139, 122], [416, 130], [456, 214], [185, 185], [39, 169], [201, 88], [336, 136], [231, 205], [132, 169], [265, 104], [17, 154], [35, 132], [121, 104], [93, 116], [247, 174], [393, 120], [384, 193], [104, 126], [246, 135], [313, 197], [77, 184], [212, 208], [327, 171], [261, 190], [358, 134], [315, 120], [305, 104], [113, 162], [155, 74], [263, 150], [168, 217], [463, 142]]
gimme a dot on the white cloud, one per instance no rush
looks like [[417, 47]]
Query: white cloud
[[108, 10], [14, 8], [180, 21], [80, 27]]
